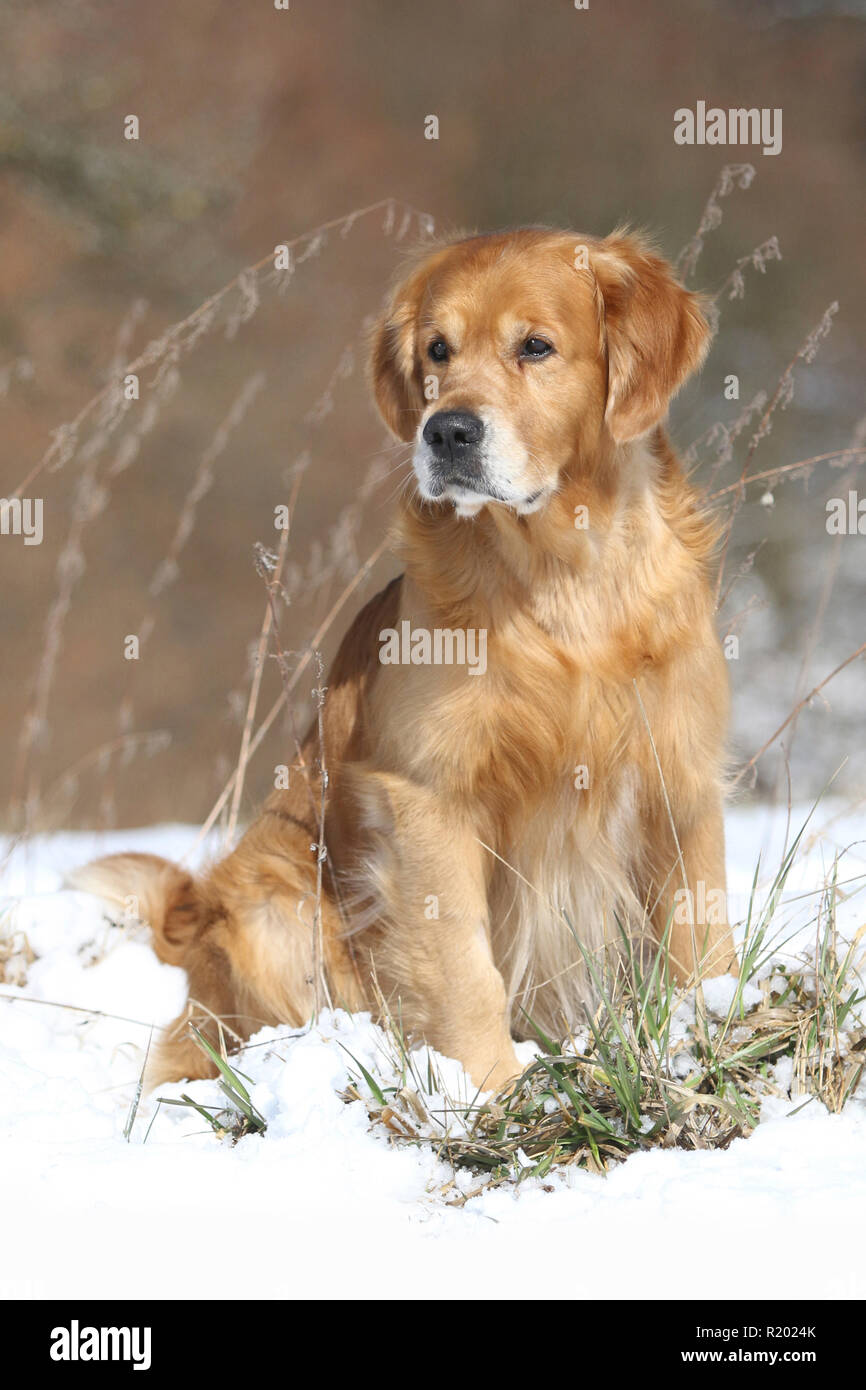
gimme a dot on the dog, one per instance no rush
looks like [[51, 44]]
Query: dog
[[490, 835]]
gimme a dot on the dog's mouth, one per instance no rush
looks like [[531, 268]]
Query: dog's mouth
[[443, 483], [473, 493]]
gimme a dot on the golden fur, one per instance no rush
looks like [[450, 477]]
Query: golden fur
[[467, 862]]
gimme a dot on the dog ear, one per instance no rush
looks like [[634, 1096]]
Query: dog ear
[[655, 332], [393, 369]]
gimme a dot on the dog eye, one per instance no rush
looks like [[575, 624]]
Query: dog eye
[[438, 350], [536, 347]]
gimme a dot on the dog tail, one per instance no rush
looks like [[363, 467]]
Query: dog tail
[[151, 889]]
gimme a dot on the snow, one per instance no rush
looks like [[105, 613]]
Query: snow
[[323, 1205]]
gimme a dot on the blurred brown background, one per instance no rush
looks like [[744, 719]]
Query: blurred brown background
[[256, 126]]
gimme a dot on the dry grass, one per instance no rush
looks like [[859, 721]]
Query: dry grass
[[106, 438], [643, 1072], [16, 953]]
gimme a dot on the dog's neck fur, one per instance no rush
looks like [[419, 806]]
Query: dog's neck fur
[[499, 570]]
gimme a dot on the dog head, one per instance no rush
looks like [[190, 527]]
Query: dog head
[[506, 357]]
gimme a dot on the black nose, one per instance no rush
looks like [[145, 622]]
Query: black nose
[[453, 434]]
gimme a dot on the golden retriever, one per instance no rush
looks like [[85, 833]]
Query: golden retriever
[[523, 733]]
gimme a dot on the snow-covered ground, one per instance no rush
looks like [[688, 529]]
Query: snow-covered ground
[[323, 1205]]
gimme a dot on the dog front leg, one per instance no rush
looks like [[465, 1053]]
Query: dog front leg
[[433, 956], [692, 903]]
